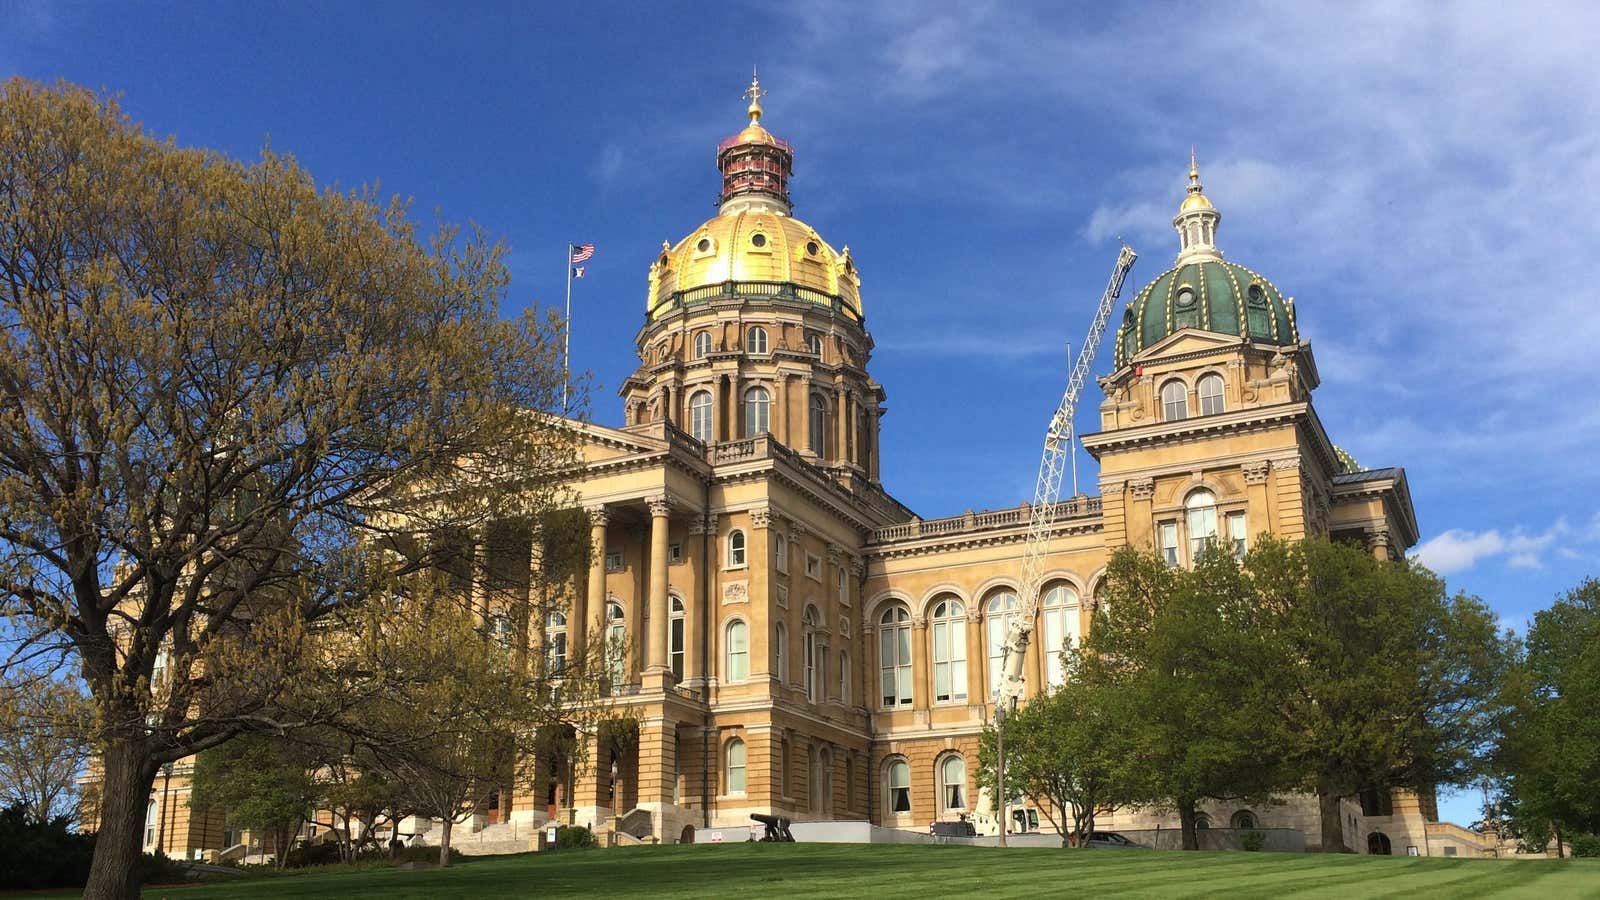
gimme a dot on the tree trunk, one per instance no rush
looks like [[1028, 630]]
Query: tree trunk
[[1332, 820], [1186, 819], [1561, 852], [444, 841], [126, 779]]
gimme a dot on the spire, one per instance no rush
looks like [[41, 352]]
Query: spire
[[755, 93], [1196, 220]]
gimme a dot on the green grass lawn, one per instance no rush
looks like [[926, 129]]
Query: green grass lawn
[[888, 871]]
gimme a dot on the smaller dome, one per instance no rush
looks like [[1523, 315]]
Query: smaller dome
[[1193, 202], [1207, 295]]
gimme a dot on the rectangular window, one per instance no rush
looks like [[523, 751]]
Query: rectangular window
[[780, 554], [1449, 851], [1237, 534], [675, 553], [1169, 542], [613, 560], [813, 566], [843, 588]]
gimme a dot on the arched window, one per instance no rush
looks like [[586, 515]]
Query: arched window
[[1174, 401], [844, 677], [616, 642], [898, 778], [1060, 603], [1244, 820], [555, 641], [735, 779], [949, 630], [757, 342], [675, 638], [849, 782], [700, 416], [151, 820], [813, 659], [894, 657], [702, 345], [998, 614], [780, 636], [737, 648], [953, 783], [1200, 514], [735, 548], [757, 411], [1211, 394], [814, 343], [819, 424]]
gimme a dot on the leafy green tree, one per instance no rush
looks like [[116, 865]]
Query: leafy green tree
[[1176, 650], [264, 783], [1063, 752], [1373, 677], [1550, 752], [218, 384]]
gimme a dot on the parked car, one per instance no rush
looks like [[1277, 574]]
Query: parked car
[[1110, 840]]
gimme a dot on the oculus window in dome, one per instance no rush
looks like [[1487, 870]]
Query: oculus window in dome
[[754, 246]]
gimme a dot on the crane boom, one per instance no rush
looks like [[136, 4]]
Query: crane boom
[[1058, 447]]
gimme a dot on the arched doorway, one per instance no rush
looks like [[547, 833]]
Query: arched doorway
[[1378, 844]]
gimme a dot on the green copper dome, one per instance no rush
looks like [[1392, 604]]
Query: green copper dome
[[1204, 291], [1210, 294]]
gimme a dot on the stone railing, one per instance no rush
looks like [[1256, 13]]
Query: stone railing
[[1011, 517]]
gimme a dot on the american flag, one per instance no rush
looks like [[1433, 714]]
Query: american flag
[[582, 252], [577, 271]]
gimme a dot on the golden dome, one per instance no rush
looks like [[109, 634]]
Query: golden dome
[[757, 245], [1194, 201]]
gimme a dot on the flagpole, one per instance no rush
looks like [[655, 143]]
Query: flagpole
[[566, 335]]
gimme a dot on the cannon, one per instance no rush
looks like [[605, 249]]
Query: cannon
[[777, 828]]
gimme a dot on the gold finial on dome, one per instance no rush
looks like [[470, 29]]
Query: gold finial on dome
[[755, 93], [1197, 198]]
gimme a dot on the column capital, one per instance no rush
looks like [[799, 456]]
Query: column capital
[[857, 566], [835, 553], [703, 524], [1143, 488], [760, 518], [1108, 488], [659, 505], [797, 529], [1255, 472], [1287, 463], [598, 514]]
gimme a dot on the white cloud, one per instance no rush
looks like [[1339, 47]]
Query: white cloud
[[608, 166], [1457, 550]]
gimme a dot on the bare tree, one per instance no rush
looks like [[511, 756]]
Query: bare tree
[[44, 743], [218, 384]]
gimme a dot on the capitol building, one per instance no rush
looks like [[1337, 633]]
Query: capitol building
[[800, 643]]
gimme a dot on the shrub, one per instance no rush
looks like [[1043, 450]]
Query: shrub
[[47, 855], [1253, 840], [574, 837], [1586, 845]]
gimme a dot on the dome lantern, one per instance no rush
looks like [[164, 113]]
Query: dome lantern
[[1196, 220], [755, 165]]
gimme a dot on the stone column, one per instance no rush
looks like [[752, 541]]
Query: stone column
[[660, 508], [592, 602], [920, 693], [840, 414], [1378, 543], [658, 771]]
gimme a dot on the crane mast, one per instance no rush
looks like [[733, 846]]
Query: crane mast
[[1058, 447]]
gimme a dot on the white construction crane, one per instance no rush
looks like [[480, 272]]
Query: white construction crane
[[1058, 450]]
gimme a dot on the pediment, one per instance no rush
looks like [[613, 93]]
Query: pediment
[[1188, 340]]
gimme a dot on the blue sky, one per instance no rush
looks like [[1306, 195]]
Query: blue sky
[[1422, 179]]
